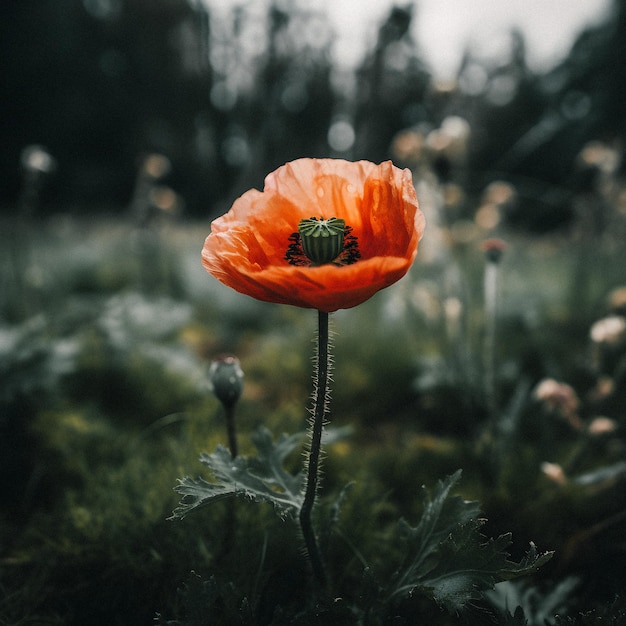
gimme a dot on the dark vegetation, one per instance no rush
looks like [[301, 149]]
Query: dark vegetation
[[157, 113]]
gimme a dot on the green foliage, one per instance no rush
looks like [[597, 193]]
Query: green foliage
[[261, 478], [538, 606], [611, 614], [448, 557], [441, 516], [104, 404], [200, 597]]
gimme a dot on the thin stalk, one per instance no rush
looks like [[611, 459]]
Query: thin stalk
[[231, 429], [318, 416], [491, 303]]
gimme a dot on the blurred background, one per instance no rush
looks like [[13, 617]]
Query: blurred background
[[127, 125], [227, 91]]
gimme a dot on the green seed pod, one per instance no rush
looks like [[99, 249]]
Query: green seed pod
[[322, 240]]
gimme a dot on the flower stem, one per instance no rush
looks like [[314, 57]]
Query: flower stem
[[231, 430], [320, 409], [491, 304], [231, 518]]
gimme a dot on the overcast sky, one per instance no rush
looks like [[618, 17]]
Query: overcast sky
[[442, 28]]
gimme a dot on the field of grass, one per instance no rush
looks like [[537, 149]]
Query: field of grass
[[107, 333]]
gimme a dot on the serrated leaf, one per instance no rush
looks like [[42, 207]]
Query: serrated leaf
[[610, 614], [468, 565], [450, 559], [531, 562], [260, 478], [440, 516], [268, 465]]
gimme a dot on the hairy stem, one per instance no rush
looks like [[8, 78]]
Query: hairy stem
[[318, 416]]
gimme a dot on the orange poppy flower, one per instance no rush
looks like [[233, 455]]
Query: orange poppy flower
[[254, 248]]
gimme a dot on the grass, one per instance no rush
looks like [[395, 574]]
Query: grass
[[105, 405]]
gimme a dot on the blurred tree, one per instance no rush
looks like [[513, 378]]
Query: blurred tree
[[98, 82], [532, 132], [506, 102], [287, 112], [102, 82], [506, 106], [589, 87], [391, 86], [229, 96]]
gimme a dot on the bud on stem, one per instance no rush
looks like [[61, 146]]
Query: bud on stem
[[226, 379]]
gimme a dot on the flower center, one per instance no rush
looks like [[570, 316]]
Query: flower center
[[321, 241]]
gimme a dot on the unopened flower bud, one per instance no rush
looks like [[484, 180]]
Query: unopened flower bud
[[322, 240], [493, 249], [226, 379]]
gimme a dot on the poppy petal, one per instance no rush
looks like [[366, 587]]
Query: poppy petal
[[246, 247]]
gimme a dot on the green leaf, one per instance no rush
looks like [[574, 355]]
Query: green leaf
[[610, 614], [468, 565], [450, 559], [332, 518], [260, 478], [539, 606], [441, 515], [605, 474]]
